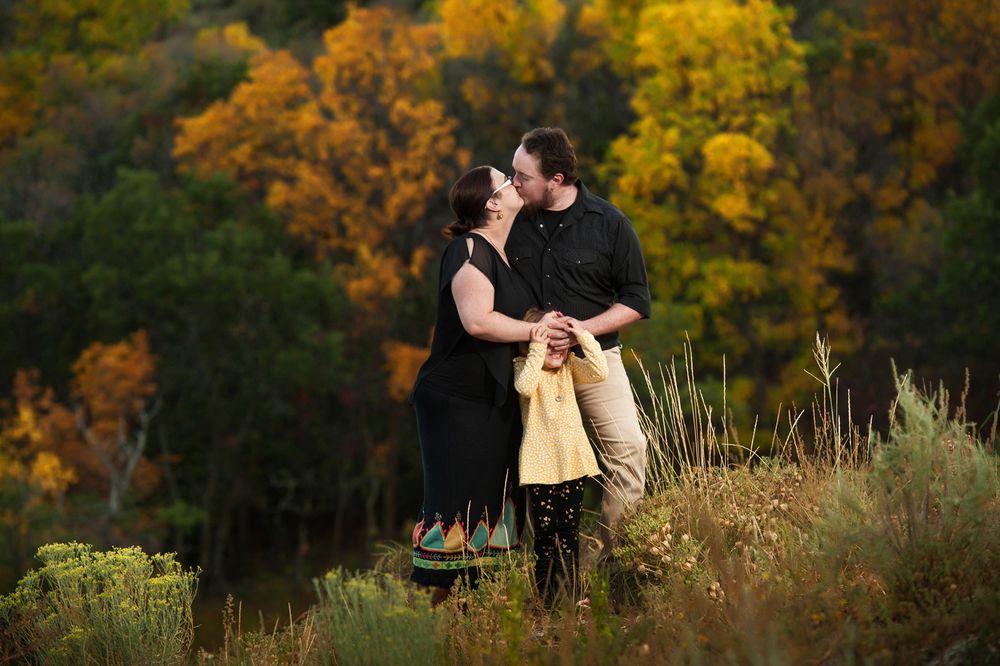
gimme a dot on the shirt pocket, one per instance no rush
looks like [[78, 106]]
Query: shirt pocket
[[519, 255], [580, 259]]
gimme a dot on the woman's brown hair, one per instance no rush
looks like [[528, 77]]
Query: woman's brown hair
[[467, 198]]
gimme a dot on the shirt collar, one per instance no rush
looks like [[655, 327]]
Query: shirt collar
[[585, 203]]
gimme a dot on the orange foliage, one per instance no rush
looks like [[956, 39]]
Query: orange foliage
[[348, 153], [113, 386], [114, 382], [906, 78], [402, 361], [248, 137]]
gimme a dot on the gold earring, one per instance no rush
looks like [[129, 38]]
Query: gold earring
[[499, 215]]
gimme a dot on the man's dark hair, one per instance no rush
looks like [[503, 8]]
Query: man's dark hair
[[554, 152]]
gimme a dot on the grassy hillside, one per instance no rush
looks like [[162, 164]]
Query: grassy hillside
[[839, 547]]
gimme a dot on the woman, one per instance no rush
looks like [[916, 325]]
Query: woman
[[468, 418]]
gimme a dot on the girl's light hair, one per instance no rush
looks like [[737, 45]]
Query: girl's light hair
[[534, 315]]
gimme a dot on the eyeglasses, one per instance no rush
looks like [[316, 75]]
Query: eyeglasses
[[506, 181]]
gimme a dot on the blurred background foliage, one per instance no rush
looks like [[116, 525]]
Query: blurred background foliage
[[219, 233]]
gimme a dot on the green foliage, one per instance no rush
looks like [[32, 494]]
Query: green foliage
[[925, 527], [375, 619], [116, 607], [92, 27], [970, 279]]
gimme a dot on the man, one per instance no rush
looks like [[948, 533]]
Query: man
[[581, 256]]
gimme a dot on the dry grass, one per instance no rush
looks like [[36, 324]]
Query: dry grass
[[836, 547]]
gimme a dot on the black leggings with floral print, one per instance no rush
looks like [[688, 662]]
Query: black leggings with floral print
[[555, 515]]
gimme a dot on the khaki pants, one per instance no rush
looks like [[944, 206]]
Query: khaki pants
[[612, 421]]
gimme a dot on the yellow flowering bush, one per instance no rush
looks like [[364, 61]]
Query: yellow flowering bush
[[116, 607]]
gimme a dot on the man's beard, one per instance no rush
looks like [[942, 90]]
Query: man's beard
[[533, 208]]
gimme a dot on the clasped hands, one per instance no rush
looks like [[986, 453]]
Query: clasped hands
[[559, 331]]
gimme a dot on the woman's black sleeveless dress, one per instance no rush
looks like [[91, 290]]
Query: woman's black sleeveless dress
[[469, 424]]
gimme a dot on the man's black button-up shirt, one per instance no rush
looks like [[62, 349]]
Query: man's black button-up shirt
[[590, 261]]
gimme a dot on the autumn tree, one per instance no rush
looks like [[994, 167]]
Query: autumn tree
[[113, 389], [349, 167], [737, 257]]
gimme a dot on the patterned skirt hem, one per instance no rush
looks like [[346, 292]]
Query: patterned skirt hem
[[479, 561]]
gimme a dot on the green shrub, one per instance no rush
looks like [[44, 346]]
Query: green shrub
[[116, 607], [923, 534], [374, 618]]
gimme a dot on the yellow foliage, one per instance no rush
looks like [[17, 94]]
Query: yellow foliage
[[521, 33], [233, 38], [736, 166], [92, 26], [113, 385], [653, 149], [909, 73], [19, 73], [37, 438], [402, 362], [736, 158], [418, 261], [374, 278], [707, 175], [700, 59], [614, 23], [50, 474]]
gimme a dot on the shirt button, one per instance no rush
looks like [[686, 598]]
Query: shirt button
[[558, 398], [547, 275]]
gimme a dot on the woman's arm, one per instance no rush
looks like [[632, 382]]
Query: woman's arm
[[473, 294]]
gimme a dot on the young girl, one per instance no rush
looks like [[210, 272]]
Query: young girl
[[555, 453]]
